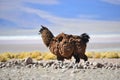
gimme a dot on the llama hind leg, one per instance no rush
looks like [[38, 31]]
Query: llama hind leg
[[77, 57]]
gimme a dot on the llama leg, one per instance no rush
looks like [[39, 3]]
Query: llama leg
[[85, 57], [60, 58], [77, 57]]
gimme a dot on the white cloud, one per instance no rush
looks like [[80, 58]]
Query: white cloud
[[11, 10], [14, 3], [48, 2], [86, 16], [117, 2], [77, 25]]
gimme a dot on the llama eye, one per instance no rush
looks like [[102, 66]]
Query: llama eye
[[60, 39]]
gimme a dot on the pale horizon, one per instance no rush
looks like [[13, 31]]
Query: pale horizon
[[114, 38]]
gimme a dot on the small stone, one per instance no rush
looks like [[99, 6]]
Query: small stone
[[75, 66], [85, 66], [29, 66], [34, 65], [71, 65], [16, 62], [3, 65], [64, 66], [8, 65], [60, 64], [93, 67], [40, 63], [64, 70], [80, 66], [75, 71], [28, 61], [98, 65], [113, 68], [47, 66], [110, 65], [18, 67], [87, 63], [105, 64], [94, 63], [55, 67], [50, 62], [23, 64], [23, 60], [117, 66]]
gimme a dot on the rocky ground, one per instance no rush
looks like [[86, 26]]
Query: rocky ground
[[29, 69]]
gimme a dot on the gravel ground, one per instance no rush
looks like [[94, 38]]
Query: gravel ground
[[28, 69]]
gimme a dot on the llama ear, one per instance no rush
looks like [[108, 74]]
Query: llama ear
[[43, 27]]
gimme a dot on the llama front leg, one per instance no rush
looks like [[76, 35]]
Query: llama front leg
[[60, 58], [84, 57]]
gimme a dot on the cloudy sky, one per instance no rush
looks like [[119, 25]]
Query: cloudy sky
[[95, 17]]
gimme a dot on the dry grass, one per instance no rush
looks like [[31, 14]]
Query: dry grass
[[35, 55], [108, 54], [49, 56]]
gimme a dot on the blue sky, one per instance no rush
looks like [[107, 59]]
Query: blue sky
[[24, 17]]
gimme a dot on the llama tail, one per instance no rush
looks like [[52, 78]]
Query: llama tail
[[85, 37]]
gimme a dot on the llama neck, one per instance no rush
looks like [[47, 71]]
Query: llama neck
[[47, 36]]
